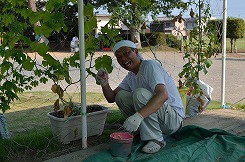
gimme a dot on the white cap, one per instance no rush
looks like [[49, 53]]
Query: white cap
[[123, 43]]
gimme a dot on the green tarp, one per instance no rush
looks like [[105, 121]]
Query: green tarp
[[191, 143]]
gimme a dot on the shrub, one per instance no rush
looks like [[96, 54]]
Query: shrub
[[154, 38], [173, 42]]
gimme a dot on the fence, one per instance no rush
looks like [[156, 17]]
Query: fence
[[29, 115]]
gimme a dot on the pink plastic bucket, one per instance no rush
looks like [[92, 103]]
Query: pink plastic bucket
[[121, 144]]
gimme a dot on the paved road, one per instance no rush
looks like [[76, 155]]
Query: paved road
[[172, 62]]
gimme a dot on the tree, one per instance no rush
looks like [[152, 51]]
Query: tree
[[216, 25], [17, 19], [201, 45], [33, 6], [135, 13], [235, 30]]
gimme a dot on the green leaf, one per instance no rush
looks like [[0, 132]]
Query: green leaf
[[50, 60], [13, 42], [90, 24], [66, 72], [54, 4], [28, 65], [59, 76], [25, 13], [42, 49], [44, 63], [105, 61], [143, 3], [208, 63], [43, 80], [5, 66], [38, 73], [7, 19], [73, 59], [88, 10], [34, 17], [34, 83]]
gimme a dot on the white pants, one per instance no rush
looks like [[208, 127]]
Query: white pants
[[165, 121]]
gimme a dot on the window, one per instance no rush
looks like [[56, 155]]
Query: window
[[167, 25]]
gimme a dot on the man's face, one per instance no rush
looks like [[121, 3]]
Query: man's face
[[128, 58]]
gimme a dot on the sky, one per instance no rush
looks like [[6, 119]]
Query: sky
[[235, 8]]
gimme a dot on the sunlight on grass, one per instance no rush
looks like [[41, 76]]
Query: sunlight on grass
[[217, 105], [36, 99], [214, 105], [239, 45], [30, 127]]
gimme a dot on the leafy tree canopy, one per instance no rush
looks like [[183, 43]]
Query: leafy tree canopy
[[133, 13], [235, 28]]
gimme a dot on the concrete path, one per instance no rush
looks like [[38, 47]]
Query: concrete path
[[232, 121], [173, 62]]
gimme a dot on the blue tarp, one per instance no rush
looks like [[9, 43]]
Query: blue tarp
[[191, 143]]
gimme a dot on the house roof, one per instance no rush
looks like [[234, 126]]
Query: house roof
[[192, 19], [164, 18]]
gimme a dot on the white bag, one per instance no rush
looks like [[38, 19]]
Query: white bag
[[193, 106], [206, 89]]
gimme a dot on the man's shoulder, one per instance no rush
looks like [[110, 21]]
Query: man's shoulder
[[150, 63]]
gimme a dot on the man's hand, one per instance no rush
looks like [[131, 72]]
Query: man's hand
[[132, 123], [102, 77]]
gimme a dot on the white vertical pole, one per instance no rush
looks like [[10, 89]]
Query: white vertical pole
[[223, 54], [82, 73]]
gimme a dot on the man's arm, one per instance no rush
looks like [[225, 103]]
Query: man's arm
[[109, 93], [102, 78], [156, 102]]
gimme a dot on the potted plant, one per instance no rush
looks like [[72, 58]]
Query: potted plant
[[21, 71], [40, 65], [66, 120], [201, 45]]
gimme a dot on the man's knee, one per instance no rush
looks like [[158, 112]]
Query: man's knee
[[121, 95], [124, 98], [142, 95]]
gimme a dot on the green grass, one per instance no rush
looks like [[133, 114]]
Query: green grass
[[37, 143], [31, 134], [36, 139], [214, 105], [239, 43]]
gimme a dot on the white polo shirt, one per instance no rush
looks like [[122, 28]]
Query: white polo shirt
[[150, 74]]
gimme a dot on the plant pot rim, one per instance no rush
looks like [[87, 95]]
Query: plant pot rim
[[104, 110]]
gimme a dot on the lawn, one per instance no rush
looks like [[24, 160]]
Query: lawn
[[240, 44], [31, 136]]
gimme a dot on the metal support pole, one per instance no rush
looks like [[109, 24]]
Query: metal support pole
[[199, 36], [82, 73], [223, 54]]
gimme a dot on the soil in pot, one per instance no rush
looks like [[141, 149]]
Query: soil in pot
[[90, 109]]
